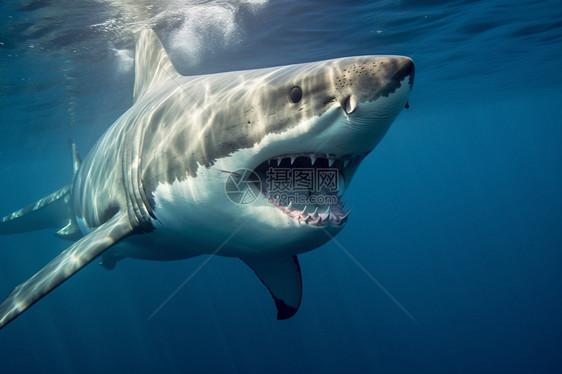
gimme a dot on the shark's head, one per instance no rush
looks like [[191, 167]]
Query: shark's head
[[273, 150]]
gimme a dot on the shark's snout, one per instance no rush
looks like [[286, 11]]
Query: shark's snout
[[365, 79], [405, 68], [361, 81]]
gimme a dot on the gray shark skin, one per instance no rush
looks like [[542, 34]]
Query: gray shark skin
[[153, 187]]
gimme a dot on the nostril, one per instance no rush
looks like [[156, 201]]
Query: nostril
[[349, 104]]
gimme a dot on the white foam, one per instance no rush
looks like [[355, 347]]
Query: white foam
[[125, 60], [204, 26], [192, 27]]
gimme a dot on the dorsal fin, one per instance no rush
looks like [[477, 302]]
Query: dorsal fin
[[152, 64]]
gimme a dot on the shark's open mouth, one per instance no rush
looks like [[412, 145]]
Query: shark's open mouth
[[308, 186]]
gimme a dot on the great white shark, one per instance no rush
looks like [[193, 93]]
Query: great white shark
[[162, 182]]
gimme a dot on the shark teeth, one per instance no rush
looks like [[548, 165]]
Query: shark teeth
[[325, 220], [315, 213], [334, 215], [303, 205], [316, 159], [346, 214]]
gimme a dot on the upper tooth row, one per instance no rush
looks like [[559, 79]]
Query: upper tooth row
[[313, 159]]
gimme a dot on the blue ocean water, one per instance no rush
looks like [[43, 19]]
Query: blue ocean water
[[457, 213]]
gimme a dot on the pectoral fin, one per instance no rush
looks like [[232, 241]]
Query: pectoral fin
[[282, 277], [64, 266]]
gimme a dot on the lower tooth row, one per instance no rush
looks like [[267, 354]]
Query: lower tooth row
[[305, 210]]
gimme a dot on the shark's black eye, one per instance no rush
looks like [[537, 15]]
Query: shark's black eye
[[296, 94]]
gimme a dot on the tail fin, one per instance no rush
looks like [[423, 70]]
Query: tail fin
[[52, 211]]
